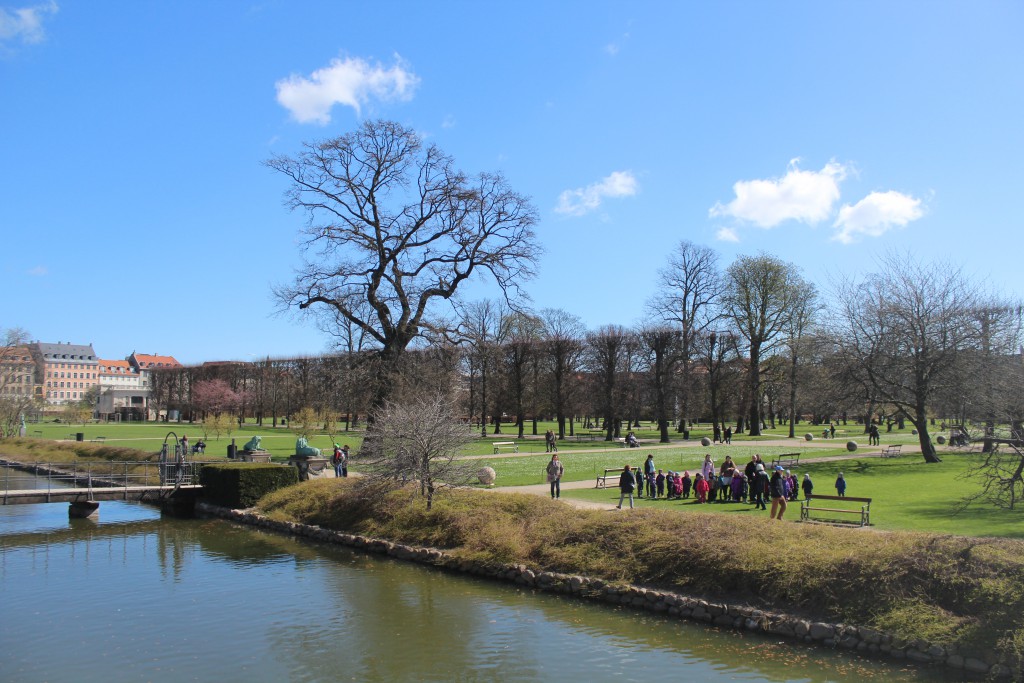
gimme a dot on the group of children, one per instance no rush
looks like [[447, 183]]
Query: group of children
[[727, 484]]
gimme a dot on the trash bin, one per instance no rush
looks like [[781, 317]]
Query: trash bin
[[79, 436], [232, 450]]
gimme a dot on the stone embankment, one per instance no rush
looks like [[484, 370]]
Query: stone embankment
[[738, 617]]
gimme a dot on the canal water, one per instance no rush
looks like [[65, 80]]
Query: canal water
[[134, 596]]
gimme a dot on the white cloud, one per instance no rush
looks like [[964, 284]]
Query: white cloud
[[38, 271], [875, 215], [806, 196], [25, 24], [612, 49], [448, 122], [352, 82], [586, 199], [727, 235]]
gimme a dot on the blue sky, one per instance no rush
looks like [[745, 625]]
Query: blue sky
[[137, 216]]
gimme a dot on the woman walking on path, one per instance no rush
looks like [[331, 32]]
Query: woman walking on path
[[626, 485], [555, 472]]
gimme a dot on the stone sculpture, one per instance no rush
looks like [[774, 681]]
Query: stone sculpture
[[252, 444], [302, 447]]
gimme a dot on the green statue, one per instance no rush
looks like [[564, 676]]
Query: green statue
[[302, 447], [252, 444]]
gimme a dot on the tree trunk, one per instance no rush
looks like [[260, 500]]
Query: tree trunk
[[755, 391], [921, 422], [792, 394]]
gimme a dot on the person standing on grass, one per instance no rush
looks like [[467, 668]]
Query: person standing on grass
[[807, 486], [777, 491], [841, 485], [555, 472], [659, 482], [758, 487], [701, 487], [626, 485], [649, 471], [708, 468]]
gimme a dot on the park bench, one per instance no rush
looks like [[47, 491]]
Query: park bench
[[811, 505], [38, 433], [621, 441], [580, 436], [891, 451], [786, 460], [511, 445], [609, 473], [99, 439]]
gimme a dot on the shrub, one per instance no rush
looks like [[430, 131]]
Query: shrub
[[241, 484]]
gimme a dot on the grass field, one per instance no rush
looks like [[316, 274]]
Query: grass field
[[907, 494], [149, 436], [585, 466]]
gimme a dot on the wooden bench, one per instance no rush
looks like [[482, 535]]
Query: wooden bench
[[891, 451], [621, 441], [609, 473], [786, 460], [810, 505], [100, 439], [587, 435], [511, 445]]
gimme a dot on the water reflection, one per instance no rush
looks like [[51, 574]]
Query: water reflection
[[145, 598]]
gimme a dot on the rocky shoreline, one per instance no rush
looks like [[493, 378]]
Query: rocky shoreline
[[859, 639]]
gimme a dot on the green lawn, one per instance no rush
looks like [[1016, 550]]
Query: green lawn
[[907, 494], [524, 470], [149, 436]]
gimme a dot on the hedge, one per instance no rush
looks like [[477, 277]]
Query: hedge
[[239, 485]]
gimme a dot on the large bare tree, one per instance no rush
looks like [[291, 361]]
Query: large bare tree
[[906, 329], [660, 344], [606, 359], [759, 295], [394, 230], [563, 349], [805, 305], [691, 288]]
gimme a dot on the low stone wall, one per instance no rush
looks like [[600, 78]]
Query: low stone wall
[[739, 617]]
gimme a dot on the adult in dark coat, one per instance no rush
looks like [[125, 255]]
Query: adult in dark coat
[[626, 486]]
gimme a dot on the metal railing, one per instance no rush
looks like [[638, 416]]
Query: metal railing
[[102, 473]]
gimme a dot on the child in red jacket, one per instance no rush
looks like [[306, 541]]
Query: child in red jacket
[[702, 487]]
